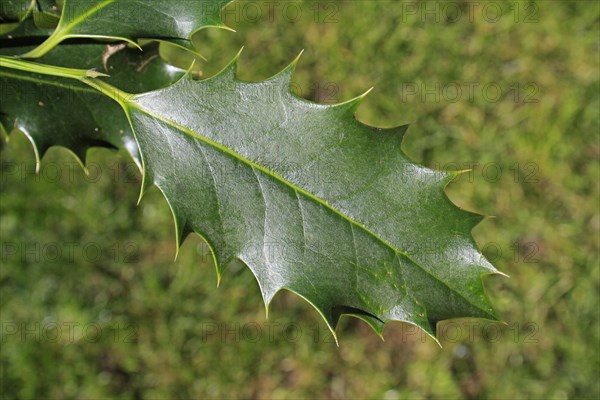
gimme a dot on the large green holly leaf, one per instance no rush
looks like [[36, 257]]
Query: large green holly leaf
[[310, 199], [128, 20], [78, 116]]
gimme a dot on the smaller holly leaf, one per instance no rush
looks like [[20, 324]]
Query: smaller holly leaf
[[79, 116], [13, 13], [34, 27], [129, 20], [15, 10]]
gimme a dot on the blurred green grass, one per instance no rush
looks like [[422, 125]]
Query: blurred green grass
[[153, 328]]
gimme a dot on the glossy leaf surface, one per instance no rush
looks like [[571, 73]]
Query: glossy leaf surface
[[310, 199]]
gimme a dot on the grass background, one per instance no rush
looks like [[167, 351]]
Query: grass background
[[129, 322]]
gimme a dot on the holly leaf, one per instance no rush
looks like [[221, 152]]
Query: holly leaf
[[28, 18], [13, 13], [78, 116], [15, 10], [128, 20], [310, 199]]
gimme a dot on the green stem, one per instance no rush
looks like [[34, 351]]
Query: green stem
[[58, 36], [82, 75], [28, 66], [63, 30], [121, 97], [53, 40]]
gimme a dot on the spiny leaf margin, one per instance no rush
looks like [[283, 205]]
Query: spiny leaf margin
[[374, 321]]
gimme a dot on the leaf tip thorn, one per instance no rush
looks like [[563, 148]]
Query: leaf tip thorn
[[463, 171], [352, 104], [177, 247], [225, 27], [367, 92], [229, 71], [502, 274], [139, 200], [92, 73], [295, 61], [239, 53]]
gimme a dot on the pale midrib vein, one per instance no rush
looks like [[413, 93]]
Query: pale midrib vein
[[279, 178]]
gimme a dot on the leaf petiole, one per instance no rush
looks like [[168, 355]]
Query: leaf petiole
[[28, 66], [85, 76]]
